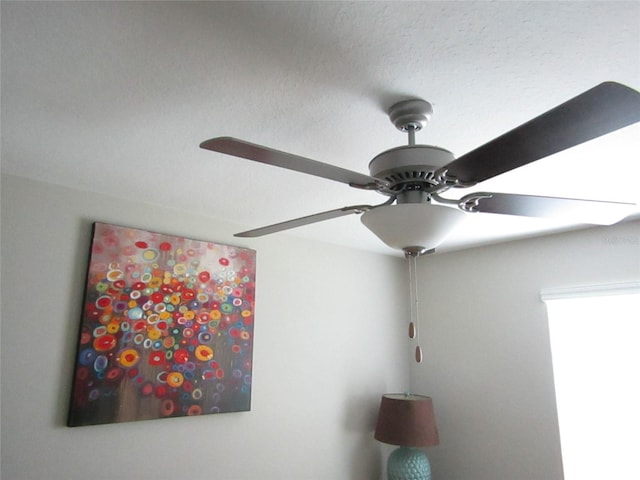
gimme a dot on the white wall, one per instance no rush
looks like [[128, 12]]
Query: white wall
[[326, 346], [486, 344]]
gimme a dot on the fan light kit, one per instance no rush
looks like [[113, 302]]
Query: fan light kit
[[413, 177]]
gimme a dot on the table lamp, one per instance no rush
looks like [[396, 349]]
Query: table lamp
[[408, 421]]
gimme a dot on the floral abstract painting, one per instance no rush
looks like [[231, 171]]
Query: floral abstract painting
[[166, 328]]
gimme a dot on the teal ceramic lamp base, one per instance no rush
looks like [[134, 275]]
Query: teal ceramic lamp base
[[406, 463]]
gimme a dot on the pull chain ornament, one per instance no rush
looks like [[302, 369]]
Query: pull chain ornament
[[413, 306], [412, 254]]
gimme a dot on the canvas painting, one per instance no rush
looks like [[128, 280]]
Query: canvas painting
[[166, 328]]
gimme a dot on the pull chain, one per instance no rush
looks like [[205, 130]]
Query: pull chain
[[414, 332]]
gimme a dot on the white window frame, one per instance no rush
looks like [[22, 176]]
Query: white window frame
[[597, 391]]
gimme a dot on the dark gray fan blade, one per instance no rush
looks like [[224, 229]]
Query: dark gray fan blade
[[298, 222], [258, 153], [601, 110], [574, 210]]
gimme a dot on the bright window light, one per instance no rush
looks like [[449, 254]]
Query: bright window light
[[595, 346]]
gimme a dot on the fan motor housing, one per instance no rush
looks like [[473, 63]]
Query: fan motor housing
[[412, 166]]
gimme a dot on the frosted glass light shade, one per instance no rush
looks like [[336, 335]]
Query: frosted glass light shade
[[412, 224]]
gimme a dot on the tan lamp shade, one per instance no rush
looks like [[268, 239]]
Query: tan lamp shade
[[407, 420]]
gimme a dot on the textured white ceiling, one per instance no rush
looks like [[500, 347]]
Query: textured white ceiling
[[115, 97]]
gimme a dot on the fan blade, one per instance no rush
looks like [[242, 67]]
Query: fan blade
[[299, 222], [269, 156], [601, 110], [574, 210]]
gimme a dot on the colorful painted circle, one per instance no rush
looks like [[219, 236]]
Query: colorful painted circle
[[175, 379], [105, 343], [194, 410], [167, 407], [150, 255], [87, 356], [181, 355], [156, 358], [128, 357], [135, 313]]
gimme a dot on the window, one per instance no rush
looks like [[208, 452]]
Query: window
[[595, 347]]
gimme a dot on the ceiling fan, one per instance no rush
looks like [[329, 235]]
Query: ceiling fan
[[413, 177]]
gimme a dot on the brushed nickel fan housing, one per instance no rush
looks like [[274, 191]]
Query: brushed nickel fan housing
[[410, 167]]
